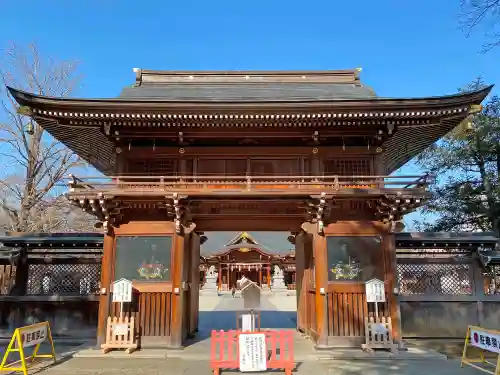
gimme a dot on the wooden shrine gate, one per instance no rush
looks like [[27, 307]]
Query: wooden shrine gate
[[331, 296], [165, 279]]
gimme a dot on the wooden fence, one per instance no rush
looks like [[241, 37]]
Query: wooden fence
[[442, 291]]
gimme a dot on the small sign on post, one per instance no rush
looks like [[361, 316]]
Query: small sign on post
[[122, 292], [375, 293]]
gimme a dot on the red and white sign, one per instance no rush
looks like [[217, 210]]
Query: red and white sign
[[484, 339], [33, 335]]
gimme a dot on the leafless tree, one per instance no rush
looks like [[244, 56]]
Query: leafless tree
[[33, 163], [484, 13]]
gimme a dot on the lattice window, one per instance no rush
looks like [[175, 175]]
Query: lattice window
[[492, 280], [347, 167], [154, 167], [64, 279], [435, 278]]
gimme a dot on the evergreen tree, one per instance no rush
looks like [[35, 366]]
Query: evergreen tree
[[466, 164]]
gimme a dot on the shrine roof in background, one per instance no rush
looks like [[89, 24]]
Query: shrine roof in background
[[269, 243]]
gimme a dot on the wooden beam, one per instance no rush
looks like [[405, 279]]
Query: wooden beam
[[249, 224], [50, 298]]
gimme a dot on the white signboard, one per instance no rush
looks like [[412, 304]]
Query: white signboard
[[122, 291], [31, 336], [485, 340], [120, 329], [248, 322], [253, 353], [375, 291]]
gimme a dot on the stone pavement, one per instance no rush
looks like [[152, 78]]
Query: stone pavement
[[219, 313], [113, 366]]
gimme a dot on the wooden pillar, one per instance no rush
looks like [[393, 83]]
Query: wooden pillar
[[194, 287], [20, 287], [321, 287], [300, 265], [260, 275], [269, 276], [107, 275], [389, 250], [220, 277], [22, 274], [178, 294]]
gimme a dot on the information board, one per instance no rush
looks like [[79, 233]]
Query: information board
[[375, 291], [253, 353], [122, 291]]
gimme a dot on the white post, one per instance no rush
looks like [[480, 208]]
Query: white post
[[121, 309], [376, 312]]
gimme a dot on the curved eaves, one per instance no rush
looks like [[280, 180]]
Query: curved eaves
[[88, 143]]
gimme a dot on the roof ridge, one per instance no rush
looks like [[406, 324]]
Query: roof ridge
[[146, 77]]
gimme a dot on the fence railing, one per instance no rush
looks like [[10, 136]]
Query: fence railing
[[245, 183]]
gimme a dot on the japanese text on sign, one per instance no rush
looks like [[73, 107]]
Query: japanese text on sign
[[122, 291], [375, 291], [31, 336], [485, 340], [252, 352]]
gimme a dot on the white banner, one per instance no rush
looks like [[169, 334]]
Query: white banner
[[33, 335], [253, 353], [486, 340]]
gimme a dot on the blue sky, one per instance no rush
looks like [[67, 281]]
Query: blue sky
[[406, 48]]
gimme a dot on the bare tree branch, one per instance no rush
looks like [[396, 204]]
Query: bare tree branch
[[35, 163], [475, 13]]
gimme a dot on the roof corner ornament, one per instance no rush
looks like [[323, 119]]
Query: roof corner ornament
[[138, 76], [25, 110], [475, 108]]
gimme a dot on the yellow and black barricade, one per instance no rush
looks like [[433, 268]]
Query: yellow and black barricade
[[482, 340], [26, 337]]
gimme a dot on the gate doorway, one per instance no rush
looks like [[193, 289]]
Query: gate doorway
[[262, 256]]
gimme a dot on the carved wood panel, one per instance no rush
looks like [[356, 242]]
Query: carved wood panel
[[153, 167], [347, 167], [275, 167], [222, 167], [246, 208]]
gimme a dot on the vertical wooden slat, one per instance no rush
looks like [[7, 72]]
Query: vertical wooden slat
[[355, 316], [163, 309], [155, 310]]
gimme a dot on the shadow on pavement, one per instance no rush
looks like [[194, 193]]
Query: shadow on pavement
[[226, 320]]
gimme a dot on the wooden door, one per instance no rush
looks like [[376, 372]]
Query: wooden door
[[347, 309], [352, 260], [146, 260]]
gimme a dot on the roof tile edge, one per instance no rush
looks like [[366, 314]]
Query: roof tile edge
[[157, 77]]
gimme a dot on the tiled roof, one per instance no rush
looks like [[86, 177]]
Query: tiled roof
[[248, 92]]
